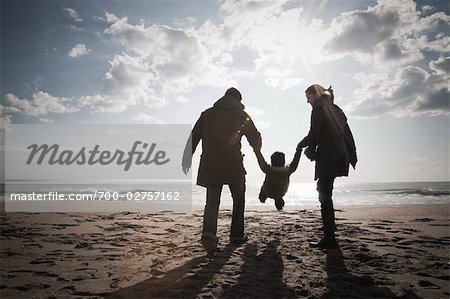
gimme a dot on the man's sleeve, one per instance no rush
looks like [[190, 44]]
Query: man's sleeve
[[251, 133], [262, 162], [192, 142]]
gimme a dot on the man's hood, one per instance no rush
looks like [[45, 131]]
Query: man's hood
[[228, 102]]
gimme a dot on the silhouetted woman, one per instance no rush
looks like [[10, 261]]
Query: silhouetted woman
[[330, 143]]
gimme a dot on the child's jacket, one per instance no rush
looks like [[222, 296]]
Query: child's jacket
[[276, 182]]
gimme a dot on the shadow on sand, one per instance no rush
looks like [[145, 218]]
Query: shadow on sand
[[260, 276], [185, 281], [341, 283]]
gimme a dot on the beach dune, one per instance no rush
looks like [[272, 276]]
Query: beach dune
[[385, 252]]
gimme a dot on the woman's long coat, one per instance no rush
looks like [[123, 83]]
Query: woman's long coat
[[331, 134]]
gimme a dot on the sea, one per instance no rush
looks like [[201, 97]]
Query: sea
[[299, 194], [391, 193]]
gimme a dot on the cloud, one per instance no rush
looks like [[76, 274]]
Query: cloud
[[110, 18], [261, 125], [5, 121], [175, 56], [275, 30], [76, 28], [255, 113], [167, 43], [411, 91], [391, 32], [161, 62], [79, 50], [46, 120], [145, 118], [442, 65], [181, 99], [72, 13], [128, 81], [41, 103], [276, 43], [393, 36], [34, 85], [362, 30], [174, 59], [281, 79], [211, 54], [427, 8], [418, 159]]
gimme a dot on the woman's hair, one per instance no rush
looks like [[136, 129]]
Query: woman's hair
[[318, 90]]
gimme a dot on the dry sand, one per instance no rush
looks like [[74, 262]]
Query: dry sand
[[385, 252]]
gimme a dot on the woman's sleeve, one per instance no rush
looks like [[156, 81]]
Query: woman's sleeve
[[316, 122], [351, 147]]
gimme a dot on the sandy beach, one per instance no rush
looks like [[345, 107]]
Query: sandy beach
[[385, 252]]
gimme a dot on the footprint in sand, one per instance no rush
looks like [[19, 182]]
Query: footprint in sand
[[291, 257], [425, 274], [428, 284], [70, 288], [42, 261], [45, 274], [29, 286], [422, 220]]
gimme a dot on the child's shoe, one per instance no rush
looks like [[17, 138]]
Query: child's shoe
[[279, 204], [262, 197]]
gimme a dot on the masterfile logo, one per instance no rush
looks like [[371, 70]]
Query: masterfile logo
[[53, 152], [95, 156], [102, 168]]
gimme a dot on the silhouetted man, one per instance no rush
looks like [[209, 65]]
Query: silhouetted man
[[221, 128]]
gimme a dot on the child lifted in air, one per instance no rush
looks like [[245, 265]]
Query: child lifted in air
[[276, 182]]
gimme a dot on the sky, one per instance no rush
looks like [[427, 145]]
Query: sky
[[164, 62]]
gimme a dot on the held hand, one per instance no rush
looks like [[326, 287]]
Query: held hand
[[310, 153], [185, 169]]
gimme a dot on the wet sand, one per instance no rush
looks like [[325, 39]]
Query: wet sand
[[385, 252]]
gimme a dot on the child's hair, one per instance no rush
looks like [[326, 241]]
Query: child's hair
[[277, 159]]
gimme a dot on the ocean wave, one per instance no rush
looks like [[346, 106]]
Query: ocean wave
[[423, 192]]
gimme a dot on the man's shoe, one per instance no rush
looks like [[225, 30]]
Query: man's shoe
[[329, 243], [239, 240], [209, 245]]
